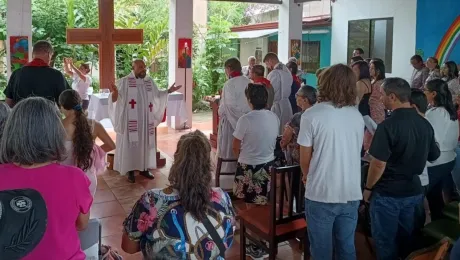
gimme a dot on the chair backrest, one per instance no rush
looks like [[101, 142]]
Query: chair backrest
[[291, 186], [91, 236], [435, 252]]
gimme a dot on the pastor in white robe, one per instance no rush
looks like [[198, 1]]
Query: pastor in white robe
[[281, 79], [136, 147], [232, 105]]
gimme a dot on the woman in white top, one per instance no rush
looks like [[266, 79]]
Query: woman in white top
[[81, 80], [254, 145], [81, 134], [443, 117]]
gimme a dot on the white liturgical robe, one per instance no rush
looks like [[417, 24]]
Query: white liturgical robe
[[232, 105], [281, 79], [138, 110]]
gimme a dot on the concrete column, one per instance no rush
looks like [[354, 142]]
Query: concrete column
[[289, 28], [18, 23], [180, 26]]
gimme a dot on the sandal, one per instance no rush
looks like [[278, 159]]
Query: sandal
[[107, 253]]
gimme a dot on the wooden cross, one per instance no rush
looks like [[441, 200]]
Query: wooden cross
[[106, 36]]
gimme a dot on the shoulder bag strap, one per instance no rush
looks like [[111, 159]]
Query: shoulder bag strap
[[215, 237]]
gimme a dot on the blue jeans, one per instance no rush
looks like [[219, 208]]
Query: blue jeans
[[331, 227], [392, 223], [455, 252]]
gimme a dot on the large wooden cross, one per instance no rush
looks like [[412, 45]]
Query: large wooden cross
[[106, 36]]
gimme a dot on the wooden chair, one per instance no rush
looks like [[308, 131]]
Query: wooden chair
[[282, 223], [219, 167], [110, 159], [435, 252]]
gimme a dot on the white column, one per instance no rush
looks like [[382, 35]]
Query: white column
[[180, 26], [18, 23], [289, 28]]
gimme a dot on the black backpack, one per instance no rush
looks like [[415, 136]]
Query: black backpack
[[23, 220]]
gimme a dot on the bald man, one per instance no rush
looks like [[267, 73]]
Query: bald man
[[136, 108]]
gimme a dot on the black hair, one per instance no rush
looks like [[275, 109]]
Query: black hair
[[363, 69], [380, 67], [360, 51], [417, 58], [82, 139], [356, 58], [233, 64], [452, 70], [259, 70], [292, 66], [257, 95], [399, 87], [443, 96], [418, 98]]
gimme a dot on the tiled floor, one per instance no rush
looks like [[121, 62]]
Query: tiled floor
[[115, 197]]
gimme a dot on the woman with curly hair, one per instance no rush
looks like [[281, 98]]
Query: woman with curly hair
[[5, 111], [330, 138], [81, 134], [174, 222]]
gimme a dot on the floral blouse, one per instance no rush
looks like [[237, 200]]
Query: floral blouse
[[377, 111], [165, 231]]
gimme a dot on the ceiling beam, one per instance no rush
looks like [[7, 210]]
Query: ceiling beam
[[253, 1]]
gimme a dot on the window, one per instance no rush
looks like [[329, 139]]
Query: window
[[310, 60], [375, 37]]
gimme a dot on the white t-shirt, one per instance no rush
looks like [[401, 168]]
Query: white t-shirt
[[257, 131], [81, 86], [336, 135], [445, 133]]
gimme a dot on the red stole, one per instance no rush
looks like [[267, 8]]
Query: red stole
[[297, 79], [235, 74], [263, 81], [37, 63]]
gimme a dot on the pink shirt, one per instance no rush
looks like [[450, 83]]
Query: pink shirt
[[65, 190]]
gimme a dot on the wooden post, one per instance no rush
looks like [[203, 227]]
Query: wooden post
[[214, 102]]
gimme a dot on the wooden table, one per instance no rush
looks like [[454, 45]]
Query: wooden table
[[214, 102]]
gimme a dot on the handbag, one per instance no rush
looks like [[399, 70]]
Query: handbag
[[215, 237]]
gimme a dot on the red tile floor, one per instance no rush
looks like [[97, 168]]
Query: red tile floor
[[115, 197]]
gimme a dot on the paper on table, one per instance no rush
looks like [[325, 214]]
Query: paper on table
[[370, 124]]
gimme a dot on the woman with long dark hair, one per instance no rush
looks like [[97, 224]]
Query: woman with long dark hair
[[81, 134], [443, 118], [168, 223], [377, 109], [296, 83], [449, 72]]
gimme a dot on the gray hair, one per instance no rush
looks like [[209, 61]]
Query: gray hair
[[292, 59], [309, 93], [42, 47], [35, 133], [5, 111], [251, 58]]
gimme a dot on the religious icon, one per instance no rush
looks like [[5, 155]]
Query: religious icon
[[295, 49], [19, 51], [185, 53]]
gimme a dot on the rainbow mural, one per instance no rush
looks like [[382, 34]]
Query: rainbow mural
[[449, 41]]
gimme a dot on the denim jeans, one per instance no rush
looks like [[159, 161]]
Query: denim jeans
[[392, 222], [440, 177], [331, 228], [455, 252]]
